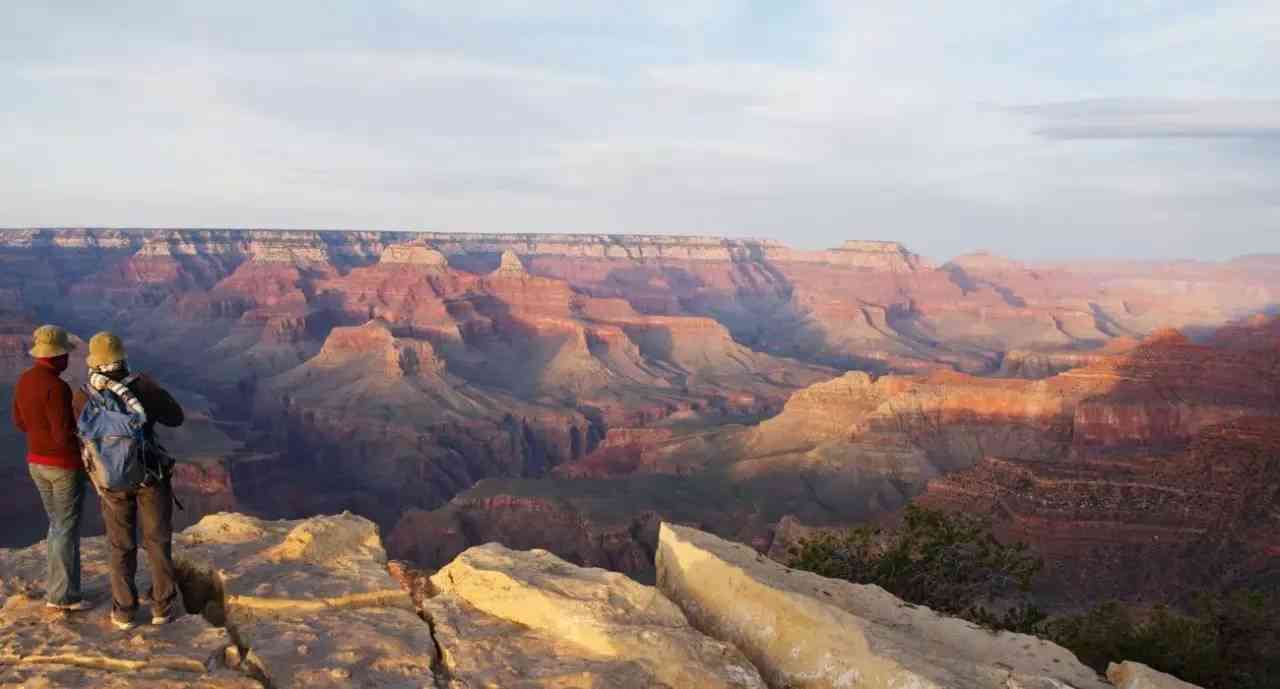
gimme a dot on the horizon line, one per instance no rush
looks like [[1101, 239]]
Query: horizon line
[[631, 235]]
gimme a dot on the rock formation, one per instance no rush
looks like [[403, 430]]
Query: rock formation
[[1129, 675], [415, 254], [43, 648], [1123, 475], [510, 264], [606, 626], [606, 382], [810, 632], [314, 603]]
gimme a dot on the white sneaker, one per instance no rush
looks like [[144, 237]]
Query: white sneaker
[[162, 619], [123, 625], [78, 606]]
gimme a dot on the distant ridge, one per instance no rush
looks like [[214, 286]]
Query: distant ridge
[[871, 254]]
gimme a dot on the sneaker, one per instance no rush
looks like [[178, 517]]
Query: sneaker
[[78, 606], [123, 624], [163, 619]]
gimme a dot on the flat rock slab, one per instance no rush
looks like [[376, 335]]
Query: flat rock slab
[[1131, 675], [804, 631], [388, 648], [311, 601], [480, 650], [72, 677], [290, 568], [23, 571], [47, 647], [603, 616]]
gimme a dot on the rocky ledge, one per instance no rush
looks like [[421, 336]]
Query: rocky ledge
[[315, 604]]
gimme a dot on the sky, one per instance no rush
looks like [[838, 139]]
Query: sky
[[1036, 129]]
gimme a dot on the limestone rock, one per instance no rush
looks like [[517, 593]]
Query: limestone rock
[[415, 254], [1131, 675], [481, 650], [789, 533], [387, 648], [311, 600], [603, 615], [416, 581], [809, 632], [75, 677], [282, 568], [511, 264], [23, 571], [44, 648]]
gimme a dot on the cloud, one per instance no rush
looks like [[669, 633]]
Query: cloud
[[1034, 129], [1150, 119]]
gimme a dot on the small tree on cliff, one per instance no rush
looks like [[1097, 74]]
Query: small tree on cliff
[[1226, 642], [949, 562]]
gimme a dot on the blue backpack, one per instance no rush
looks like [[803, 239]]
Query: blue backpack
[[113, 441]]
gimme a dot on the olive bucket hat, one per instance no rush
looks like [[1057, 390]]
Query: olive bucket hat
[[49, 341], [104, 349]]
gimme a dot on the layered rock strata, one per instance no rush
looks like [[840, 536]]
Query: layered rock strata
[[1126, 475], [387, 373]]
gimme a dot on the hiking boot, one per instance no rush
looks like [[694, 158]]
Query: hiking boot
[[77, 606], [123, 623]]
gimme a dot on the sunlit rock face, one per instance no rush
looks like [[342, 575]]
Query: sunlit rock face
[[605, 382], [1124, 475], [801, 629], [414, 254], [280, 604]]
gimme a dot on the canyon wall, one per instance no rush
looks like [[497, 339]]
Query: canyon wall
[[1147, 475], [459, 387]]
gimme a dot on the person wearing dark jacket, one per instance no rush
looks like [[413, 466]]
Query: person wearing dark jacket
[[150, 504], [42, 410]]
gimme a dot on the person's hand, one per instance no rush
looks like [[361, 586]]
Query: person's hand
[[99, 381]]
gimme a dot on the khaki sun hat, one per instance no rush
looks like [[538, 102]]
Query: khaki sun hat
[[105, 348], [50, 341]]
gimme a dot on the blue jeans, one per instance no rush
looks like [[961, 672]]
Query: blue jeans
[[62, 493]]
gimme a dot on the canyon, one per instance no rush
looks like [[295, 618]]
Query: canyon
[[572, 392]]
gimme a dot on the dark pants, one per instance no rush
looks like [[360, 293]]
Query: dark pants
[[121, 511], [62, 492]]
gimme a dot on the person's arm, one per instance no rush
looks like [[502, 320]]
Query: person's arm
[[62, 422], [78, 402], [17, 414], [160, 405]]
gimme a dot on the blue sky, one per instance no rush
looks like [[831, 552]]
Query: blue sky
[[1034, 129]]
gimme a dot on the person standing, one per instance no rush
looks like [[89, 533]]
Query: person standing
[[42, 410], [149, 504]]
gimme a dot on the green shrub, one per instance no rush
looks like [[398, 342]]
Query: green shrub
[[953, 564], [1226, 642], [949, 562]]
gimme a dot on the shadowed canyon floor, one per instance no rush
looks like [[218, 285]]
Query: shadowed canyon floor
[[571, 392]]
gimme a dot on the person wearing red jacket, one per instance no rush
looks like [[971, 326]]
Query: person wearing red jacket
[[42, 410]]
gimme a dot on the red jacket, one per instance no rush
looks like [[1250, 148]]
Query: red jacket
[[42, 410]]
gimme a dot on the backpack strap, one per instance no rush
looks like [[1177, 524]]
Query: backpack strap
[[131, 399], [94, 394], [122, 392]]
